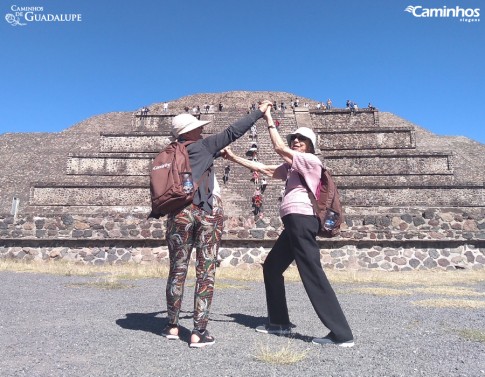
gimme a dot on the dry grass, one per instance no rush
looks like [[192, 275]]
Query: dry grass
[[223, 285], [106, 282], [473, 335], [381, 291], [433, 290], [155, 270], [282, 356], [449, 291], [447, 303], [409, 278], [254, 273], [125, 271]]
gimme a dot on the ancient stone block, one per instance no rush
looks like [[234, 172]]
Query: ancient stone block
[[400, 261], [383, 221], [417, 221], [67, 220], [470, 226], [414, 263], [470, 257], [446, 217], [39, 224], [407, 218], [272, 234], [243, 234], [158, 234], [429, 263], [443, 262], [433, 253], [429, 214]]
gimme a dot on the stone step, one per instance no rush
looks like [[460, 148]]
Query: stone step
[[152, 122], [130, 142], [373, 164], [110, 194], [115, 164], [372, 181], [409, 196], [389, 163], [373, 138], [332, 140], [344, 118]]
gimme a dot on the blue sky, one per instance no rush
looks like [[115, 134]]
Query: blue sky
[[127, 54]]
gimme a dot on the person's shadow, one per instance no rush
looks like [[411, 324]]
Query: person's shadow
[[249, 321], [151, 322], [252, 322]]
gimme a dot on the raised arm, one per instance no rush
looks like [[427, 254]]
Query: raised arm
[[268, 170], [279, 144], [214, 143]]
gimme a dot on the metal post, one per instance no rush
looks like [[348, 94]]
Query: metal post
[[15, 207]]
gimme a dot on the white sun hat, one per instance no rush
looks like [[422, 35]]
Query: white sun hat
[[304, 131], [183, 123]]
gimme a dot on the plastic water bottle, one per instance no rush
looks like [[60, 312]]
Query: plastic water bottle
[[187, 183], [331, 218]]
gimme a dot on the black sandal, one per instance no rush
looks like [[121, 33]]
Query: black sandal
[[167, 334], [205, 339]]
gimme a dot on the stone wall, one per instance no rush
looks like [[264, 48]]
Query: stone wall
[[112, 164], [366, 138], [419, 239], [343, 118], [133, 143], [413, 196], [372, 163], [90, 195], [152, 122]]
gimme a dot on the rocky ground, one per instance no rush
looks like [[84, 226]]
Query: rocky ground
[[59, 326]]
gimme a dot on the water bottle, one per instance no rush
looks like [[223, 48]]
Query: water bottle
[[331, 218], [187, 183]]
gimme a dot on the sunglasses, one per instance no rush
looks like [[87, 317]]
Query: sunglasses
[[299, 137]]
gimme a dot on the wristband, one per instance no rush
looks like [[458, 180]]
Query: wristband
[[271, 126]]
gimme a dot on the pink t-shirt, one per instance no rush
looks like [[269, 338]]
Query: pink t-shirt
[[296, 199]]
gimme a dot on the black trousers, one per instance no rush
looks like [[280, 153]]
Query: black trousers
[[298, 243]]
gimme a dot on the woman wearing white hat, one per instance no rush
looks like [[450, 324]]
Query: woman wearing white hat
[[297, 242], [199, 224]]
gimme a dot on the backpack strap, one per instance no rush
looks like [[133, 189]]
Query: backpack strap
[[204, 176], [310, 194], [185, 144]]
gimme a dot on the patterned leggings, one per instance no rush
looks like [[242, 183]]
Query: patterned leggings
[[188, 228]]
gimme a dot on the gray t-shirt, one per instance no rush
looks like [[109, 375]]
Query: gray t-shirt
[[203, 152]]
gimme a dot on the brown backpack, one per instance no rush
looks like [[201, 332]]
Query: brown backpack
[[166, 183], [327, 199]]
